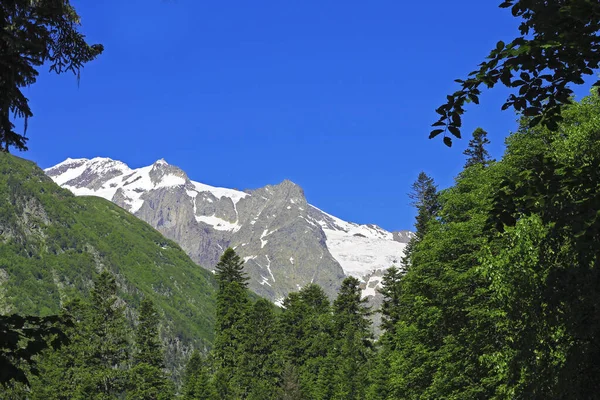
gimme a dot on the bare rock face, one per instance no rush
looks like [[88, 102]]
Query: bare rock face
[[285, 242]]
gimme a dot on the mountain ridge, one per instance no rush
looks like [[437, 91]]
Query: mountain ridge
[[285, 241]]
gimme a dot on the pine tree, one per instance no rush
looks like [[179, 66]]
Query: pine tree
[[390, 306], [290, 388], [108, 341], [232, 306], [230, 269], [354, 346], [259, 369], [476, 152], [148, 380], [35, 32], [424, 198], [307, 336], [93, 365], [197, 382]]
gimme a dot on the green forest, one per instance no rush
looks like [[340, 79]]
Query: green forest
[[497, 296], [498, 300]]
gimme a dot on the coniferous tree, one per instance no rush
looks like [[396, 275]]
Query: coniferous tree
[[354, 341], [390, 315], [307, 336], [259, 369], [63, 371], [290, 388], [390, 305], [476, 152], [148, 380], [108, 341], [232, 306], [93, 364], [197, 381], [424, 197], [35, 32], [230, 269]]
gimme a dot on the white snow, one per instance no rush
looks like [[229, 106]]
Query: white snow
[[170, 180], [279, 302], [359, 256], [360, 249], [219, 192], [218, 223], [269, 267], [248, 258], [263, 242], [137, 183], [372, 285], [265, 280]]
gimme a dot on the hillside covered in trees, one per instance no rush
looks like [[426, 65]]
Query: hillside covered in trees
[[54, 244], [497, 296], [498, 301]]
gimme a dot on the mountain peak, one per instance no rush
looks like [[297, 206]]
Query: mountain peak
[[290, 242]]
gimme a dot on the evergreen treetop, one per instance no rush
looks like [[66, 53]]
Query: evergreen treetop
[[147, 340], [230, 268], [476, 152]]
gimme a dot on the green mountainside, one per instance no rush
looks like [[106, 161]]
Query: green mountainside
[[53, 244]]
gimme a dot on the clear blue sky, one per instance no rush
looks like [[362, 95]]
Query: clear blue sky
[[337, 96]]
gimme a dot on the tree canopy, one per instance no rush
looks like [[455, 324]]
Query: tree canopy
[[33, 33], [558, 45]]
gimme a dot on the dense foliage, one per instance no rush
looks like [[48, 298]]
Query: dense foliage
[[558, 45], [497, 297]]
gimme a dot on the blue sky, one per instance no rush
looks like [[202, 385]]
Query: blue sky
[[337, 96]]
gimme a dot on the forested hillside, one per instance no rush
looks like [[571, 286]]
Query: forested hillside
[[53, 245], [497, 295]]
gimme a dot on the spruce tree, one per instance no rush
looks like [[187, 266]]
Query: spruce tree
[[147, 341], [232, 306], [108, 341], [230, 269], [290, 388], [93, 364], [354, 341], [260, 365], [307, 336], [197, 381], [390, 306], [147, 379], [476, 152], [424, 197], [63, 371], [379, 373]]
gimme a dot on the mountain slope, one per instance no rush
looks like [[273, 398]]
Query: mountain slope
[[286, 242], [52, 244]]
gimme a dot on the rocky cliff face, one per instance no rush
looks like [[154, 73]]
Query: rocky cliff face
[[285, 242]]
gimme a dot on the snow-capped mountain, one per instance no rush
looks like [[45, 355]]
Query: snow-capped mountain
[[285, 242]]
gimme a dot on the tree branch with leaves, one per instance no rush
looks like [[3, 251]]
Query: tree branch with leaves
[[559, 44]]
